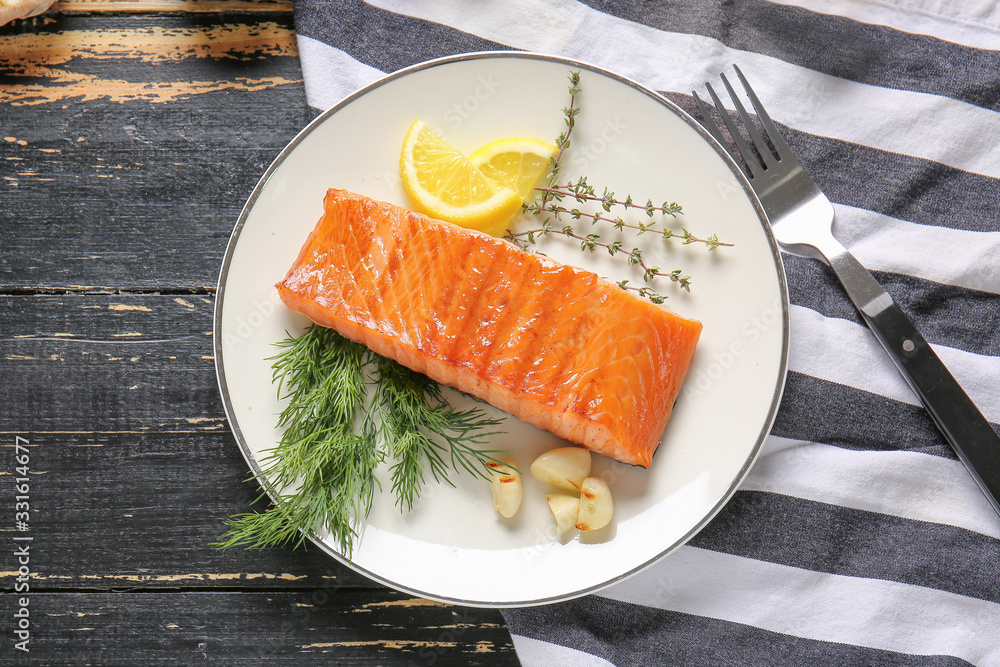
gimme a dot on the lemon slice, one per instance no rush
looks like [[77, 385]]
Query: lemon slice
[[442, 183], [518, 163]]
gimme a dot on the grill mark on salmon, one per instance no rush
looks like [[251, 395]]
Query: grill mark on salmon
[[383, 282], [514, 334], [552, 344]]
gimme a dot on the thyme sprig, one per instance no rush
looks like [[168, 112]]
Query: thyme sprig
[[590, 242], [581, 191], [551, 209], [563, 140], [323, 469]]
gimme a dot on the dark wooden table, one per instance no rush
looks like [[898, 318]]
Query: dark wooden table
[[131, 133]]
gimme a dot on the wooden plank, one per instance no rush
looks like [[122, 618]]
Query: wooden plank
[[116, 511], [181, 6], [237, 628], [87, 363], [151, 172], [142, 218], [81, 63], [117, 397]]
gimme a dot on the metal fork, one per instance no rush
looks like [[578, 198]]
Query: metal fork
[[801, 218]]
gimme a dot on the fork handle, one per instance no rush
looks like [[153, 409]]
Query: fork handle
[[964, 427]]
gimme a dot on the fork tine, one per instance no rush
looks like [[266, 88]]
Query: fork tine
[[780, 147], [763, 150], [709, 124], [754, 167]]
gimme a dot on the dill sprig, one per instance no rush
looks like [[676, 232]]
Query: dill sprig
[[409, 411], [321, 374], [552, 211], [323, 469], [330, 468]]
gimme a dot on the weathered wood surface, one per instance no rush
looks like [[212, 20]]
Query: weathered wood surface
[[131, 133], [130, 143], [317, 626]]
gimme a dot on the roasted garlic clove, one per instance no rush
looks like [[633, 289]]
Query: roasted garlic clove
[[565, 510], [506, 486], [565, 467], [596, 505]]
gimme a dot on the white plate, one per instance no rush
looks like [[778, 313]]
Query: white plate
[[452, 546]]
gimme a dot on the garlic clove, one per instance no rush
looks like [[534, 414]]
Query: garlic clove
[[506, 486], [565, 510], [564, 467], [596, 504]]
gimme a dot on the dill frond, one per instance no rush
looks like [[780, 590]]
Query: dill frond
[[412, 410], [330, 463]]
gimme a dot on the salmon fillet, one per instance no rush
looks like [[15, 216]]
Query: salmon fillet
[[554, 345]]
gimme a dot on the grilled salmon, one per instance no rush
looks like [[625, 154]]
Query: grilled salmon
[[554, 345]]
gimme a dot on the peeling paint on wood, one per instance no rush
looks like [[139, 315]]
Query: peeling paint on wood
[[151, 45], [236, 627], [408, 602], [267, 575], [185, 6], [46, 60], [145, 578], [122, 306], [84, 88], [453, 626], [387, 643]]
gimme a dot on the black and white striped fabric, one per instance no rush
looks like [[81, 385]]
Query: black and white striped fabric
[[857, 538]]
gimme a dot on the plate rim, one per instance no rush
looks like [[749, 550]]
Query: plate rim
[[248, 206]]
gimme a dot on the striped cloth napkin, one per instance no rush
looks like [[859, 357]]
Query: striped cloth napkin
[[857, 538]]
